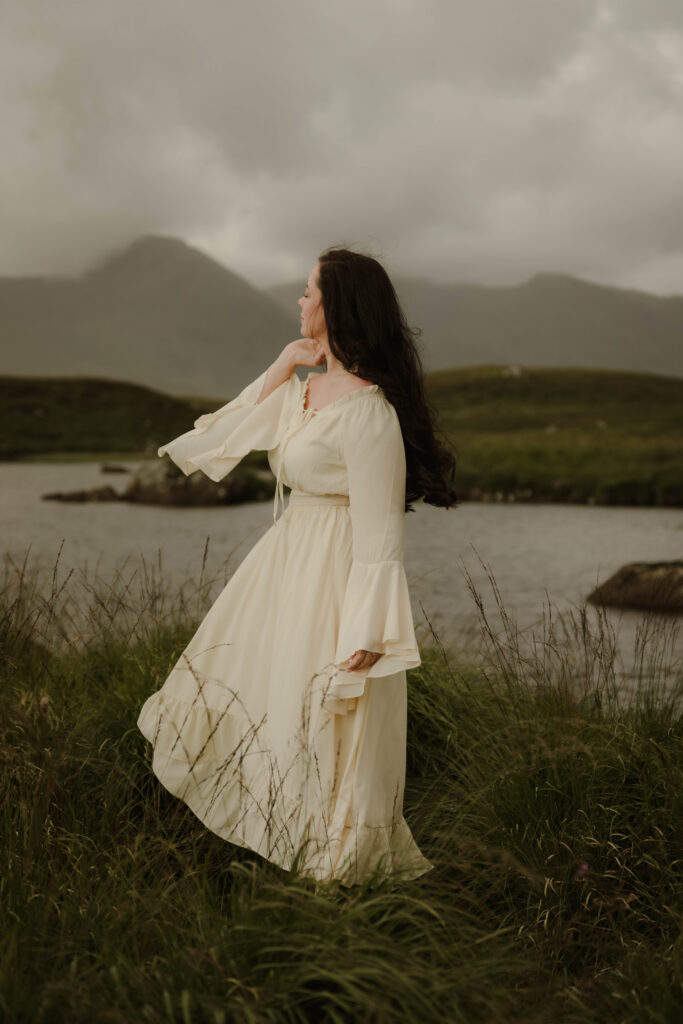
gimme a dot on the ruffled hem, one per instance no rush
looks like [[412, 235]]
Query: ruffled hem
[[376, 616], [247, 799]]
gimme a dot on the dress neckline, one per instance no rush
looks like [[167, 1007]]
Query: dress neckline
[[338, 401]]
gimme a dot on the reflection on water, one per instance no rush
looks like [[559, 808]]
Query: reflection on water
[[537, 553]]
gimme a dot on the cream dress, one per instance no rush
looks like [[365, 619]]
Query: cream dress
[[260, 728]]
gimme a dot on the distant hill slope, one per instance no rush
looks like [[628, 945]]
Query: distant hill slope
[[162, 314], [550, 320], [158, 313]]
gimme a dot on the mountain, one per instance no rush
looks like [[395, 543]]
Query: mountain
[[161, 314], [550, 320], [158, 313]]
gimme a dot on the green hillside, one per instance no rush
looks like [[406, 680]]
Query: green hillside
[[46, 415], [528, 435], [564, 435]]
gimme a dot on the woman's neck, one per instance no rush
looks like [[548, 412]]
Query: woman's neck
[[335, 368]]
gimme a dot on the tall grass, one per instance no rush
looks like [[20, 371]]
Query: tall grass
[[550, 805]]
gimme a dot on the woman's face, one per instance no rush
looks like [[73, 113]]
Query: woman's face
[[311, 305]]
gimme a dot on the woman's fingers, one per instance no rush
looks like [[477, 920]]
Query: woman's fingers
[[362, 659], [310, 351]]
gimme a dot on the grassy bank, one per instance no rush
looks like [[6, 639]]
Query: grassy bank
[[593, 436], [552, 812], [45, 415]]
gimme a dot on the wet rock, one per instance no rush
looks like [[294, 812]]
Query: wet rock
[[163, 483], [94, 494], [653, 586]]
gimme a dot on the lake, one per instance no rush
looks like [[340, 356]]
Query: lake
[[535, 552]]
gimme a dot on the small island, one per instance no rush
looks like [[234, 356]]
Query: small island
[[162, 483]]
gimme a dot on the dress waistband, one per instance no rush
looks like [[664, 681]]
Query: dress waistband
[[304, 498]]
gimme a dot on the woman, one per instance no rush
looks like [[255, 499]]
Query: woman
[[283, 723]]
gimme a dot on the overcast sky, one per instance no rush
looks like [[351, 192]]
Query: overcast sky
[[480, 141]]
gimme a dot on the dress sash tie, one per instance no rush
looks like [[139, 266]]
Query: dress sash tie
[[301, 417]]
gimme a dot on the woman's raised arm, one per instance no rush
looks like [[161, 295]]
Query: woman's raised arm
[[302, 352]]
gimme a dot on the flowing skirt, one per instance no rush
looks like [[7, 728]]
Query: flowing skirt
[[246, 732]]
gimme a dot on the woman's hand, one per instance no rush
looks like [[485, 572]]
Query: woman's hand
[[305, 352], [362, 660], [302, 352]]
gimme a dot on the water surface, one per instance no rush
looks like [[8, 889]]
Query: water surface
[[535, 552]]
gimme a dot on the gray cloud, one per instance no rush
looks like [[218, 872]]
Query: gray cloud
[[460, 141]]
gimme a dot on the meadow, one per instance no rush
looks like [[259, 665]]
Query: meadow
[[598, 436], [71, 416], [548, 796]]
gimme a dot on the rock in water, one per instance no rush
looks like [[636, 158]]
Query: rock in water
[[653, 586], [163, 483], [94, 494]]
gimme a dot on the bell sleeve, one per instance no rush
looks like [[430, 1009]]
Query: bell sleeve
[[220, 439], [376, 614]]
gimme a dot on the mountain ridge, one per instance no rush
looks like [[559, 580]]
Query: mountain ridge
[[159, 312], [550, 319]]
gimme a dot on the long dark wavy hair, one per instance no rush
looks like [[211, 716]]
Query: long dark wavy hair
[[368, 333]]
